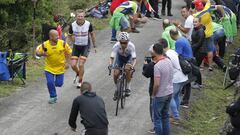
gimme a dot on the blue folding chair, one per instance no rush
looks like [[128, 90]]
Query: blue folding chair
[[4, 72]]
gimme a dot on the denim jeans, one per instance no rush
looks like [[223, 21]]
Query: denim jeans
[[52, 81], [160, 115], [175, 101], [151, 108], [114, 33]]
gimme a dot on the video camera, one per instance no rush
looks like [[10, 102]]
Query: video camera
[[148, 59]]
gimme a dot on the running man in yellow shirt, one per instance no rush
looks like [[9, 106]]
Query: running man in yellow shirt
[[56, 54]]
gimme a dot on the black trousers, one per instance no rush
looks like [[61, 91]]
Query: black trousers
[[169, 5], [199, 57], [222, 46], [196, 71], [186, 92], [154, 4], [94, 131], [218, 61]]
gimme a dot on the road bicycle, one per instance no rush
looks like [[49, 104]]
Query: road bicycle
[[121, 86]]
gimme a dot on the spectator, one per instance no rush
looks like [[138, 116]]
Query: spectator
[[169, 7], [120, 17], [204, 13], [148, 71], [188, 25], [218, 60], [198, 36], [162, 90], [219, 38], [154, 4], [81, 32], [166, 35], [92, 110], [179, 80], [184, 50], [55, 52], [115, 4]]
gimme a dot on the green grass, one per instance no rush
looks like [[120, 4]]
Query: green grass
[[34, 73], [206, 115], [99, 24], [207, 112]]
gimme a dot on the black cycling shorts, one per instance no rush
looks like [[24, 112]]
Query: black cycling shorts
[[80, 50]]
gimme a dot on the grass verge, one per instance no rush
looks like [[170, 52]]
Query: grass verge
[[206, 115], [34, 72]]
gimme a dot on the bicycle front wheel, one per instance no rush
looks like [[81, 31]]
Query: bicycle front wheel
[[118, 95], [123, 92]]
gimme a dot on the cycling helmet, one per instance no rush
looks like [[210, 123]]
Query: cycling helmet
[[123, 36]]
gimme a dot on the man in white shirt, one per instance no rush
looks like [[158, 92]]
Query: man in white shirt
[[188, 25], [179, 80]]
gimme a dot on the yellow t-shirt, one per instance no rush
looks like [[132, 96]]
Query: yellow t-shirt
[[55, 59], [206, 19]]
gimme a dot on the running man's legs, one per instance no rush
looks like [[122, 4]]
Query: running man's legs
[[59, 80], [50, 84], [81, 68], [74, 58]]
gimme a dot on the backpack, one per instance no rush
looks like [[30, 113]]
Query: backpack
[[4, 72], [185, 65]]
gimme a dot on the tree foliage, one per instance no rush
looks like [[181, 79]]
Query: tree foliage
[[16, 19]]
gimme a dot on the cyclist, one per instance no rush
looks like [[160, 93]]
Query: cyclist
[[81, 31], [123, 52]]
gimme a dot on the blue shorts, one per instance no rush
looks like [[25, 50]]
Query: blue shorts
[[210, 43], [124, 23], [120, 60]]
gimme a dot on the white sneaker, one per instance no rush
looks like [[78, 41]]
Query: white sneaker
[[151, 131], [79, 84], [75, 79]]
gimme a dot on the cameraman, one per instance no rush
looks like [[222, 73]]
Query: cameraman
[[234, 112], [148, 72]]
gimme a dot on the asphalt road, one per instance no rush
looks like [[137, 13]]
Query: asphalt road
[[27, 112]]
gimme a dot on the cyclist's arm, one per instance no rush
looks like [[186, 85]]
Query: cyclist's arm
[[113, 53], [133, 56], [134, 62], [111, 60]]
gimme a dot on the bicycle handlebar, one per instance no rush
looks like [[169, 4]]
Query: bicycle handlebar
[[110, 68]]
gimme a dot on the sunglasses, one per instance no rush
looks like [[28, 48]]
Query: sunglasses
[[123, 42]]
